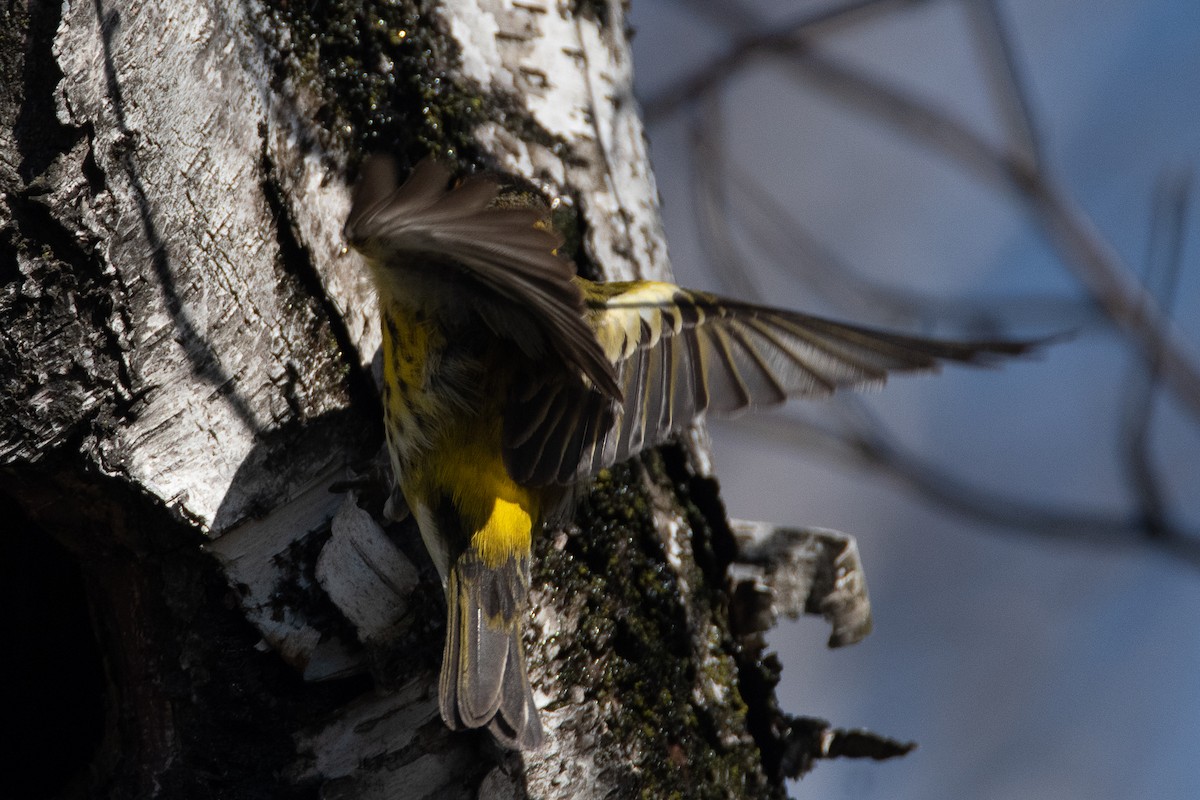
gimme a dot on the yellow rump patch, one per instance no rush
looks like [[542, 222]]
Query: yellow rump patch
[[507, 532], [499, 513]]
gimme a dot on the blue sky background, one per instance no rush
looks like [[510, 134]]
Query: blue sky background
[[1023, 667]]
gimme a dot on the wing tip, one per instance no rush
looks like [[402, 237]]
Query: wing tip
[[993, 352]]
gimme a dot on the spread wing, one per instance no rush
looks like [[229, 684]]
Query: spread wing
[[506, 249], [680, 353]]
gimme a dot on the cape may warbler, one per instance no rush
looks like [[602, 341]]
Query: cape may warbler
[[507, 379]]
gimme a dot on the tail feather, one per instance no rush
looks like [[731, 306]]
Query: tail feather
[[483, 681]]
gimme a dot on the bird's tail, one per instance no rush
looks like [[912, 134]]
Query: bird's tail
[[483, 681]]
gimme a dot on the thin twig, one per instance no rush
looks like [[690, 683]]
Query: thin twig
[[784, 240], [1095, 262], [711, 204], [1168, 221], [863, 441], [1015, 166], [753, 39], [743, 18], [1005, 79]]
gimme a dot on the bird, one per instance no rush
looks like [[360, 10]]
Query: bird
[[509, 381]]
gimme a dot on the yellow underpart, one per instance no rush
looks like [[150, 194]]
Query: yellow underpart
[[459, 452], [406, 345], [500, 513], [464, 460]]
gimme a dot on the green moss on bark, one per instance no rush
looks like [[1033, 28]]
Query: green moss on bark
[[388, 77], [635, 646], [381, 72]]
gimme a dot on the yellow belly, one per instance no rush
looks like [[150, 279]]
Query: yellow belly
[[448, 445], [468, 465]]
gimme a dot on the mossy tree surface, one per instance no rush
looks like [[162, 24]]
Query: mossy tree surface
[[187, 349]]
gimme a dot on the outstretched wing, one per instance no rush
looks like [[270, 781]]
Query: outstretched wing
[[681, 353], [508, 250]]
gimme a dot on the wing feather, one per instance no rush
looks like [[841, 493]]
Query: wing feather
[[509, 250], [679, 354]]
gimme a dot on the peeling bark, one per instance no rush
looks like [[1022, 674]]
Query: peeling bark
[[189, 412]]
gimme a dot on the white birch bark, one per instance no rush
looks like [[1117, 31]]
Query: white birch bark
[[230, 383]]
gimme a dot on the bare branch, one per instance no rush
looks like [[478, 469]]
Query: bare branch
[[1171, 204], [713, 209], [862, 440], [1093, 259], [797, 251], [1005, 79], [756, 40], [740, 16]]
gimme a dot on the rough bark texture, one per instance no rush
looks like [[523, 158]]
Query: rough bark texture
[[189, 425]]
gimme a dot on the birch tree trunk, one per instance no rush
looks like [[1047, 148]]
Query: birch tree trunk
[[197, 547]]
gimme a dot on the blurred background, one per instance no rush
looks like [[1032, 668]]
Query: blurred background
[[1031, 534]]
